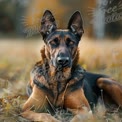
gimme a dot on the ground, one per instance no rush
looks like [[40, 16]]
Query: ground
[[17, 57]]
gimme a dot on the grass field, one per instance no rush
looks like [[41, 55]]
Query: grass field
[[17, 57]]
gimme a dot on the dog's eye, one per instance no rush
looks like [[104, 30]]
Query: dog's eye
[[70, 42], [54, 42]]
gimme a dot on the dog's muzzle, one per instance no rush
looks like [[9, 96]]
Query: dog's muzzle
[[63, 61]]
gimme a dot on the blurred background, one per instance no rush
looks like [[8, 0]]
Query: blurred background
[[102, 18]]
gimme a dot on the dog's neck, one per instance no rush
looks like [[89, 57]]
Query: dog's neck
[[56, 77]]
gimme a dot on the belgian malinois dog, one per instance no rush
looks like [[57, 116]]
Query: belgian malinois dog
[[58, 81]]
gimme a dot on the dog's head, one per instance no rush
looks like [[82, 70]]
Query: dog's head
[[61, 44]]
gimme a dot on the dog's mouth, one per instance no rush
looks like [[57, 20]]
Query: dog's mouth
[[63, 67], [62, 73]]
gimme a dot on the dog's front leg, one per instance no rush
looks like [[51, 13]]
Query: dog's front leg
[[77, 103], [37, 101]]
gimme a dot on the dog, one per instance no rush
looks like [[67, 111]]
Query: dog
[[58, 81]]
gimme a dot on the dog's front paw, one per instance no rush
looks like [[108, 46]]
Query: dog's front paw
[[40, 117]]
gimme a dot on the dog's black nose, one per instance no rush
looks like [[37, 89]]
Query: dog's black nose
[[64, 61]]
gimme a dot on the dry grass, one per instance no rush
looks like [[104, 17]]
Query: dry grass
[[17, 57]]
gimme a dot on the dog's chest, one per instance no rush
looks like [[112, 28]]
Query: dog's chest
[[55, 91], [56, 87], [58, 90]]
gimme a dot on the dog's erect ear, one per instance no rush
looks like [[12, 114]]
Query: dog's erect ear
[[76, 24], [48, 24]]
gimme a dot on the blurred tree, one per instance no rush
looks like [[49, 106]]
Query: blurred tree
[[7, 12], [6, 23], [11, 12]]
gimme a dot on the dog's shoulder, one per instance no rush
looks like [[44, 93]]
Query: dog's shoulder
[[37, 69], [38, 74]]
